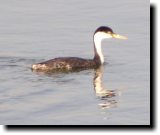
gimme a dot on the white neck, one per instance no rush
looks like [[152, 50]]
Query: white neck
[[98, 37]]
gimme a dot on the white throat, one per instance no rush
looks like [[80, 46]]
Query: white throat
[[98, 37]]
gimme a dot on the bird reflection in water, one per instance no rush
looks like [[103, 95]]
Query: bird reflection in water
[[106, 96]]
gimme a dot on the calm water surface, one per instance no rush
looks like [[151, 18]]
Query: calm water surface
[[38, 30]]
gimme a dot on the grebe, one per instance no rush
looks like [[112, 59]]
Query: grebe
[[75, 63]]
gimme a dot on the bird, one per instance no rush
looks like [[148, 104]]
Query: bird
[[75, 63]]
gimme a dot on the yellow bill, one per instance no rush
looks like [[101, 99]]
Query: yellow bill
[[118, 36]]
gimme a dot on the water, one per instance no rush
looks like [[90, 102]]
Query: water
[[38, 30]]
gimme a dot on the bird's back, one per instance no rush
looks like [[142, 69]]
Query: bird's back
[[65, 64]]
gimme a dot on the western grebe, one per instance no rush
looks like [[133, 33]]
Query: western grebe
[[75, 63]]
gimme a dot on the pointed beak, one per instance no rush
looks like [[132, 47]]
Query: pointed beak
[[118, 36]]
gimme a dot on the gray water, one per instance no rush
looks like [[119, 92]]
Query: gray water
[[32, 31]]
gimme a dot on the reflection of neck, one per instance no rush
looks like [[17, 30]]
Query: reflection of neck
[[100, 90], [98, 80], [98, 48]]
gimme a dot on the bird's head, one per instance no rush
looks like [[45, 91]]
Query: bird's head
[[104, 32]]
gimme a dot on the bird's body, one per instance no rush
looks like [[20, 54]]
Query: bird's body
[[75, 63], [65, 64]]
